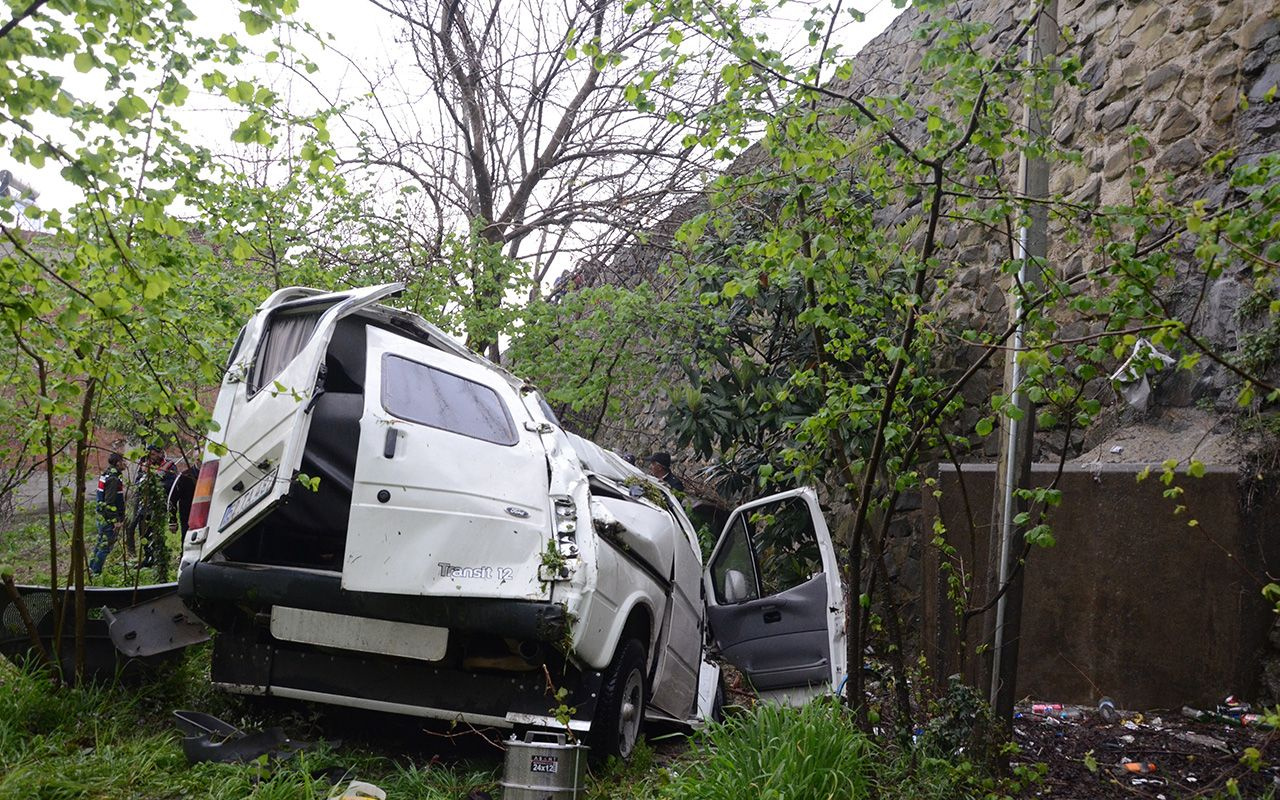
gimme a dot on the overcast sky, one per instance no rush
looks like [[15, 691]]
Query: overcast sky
[[364, 37]]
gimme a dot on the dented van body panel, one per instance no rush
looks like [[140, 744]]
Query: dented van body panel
[[392, 522]]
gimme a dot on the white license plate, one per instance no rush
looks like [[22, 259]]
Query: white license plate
[[249, 499], [361, 634]]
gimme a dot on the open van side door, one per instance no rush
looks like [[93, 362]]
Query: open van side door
[[275, 385], [775, 604]]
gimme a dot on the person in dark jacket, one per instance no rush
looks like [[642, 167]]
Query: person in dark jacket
[[660, 468], [110, 512], [150, 509], [181, 495]]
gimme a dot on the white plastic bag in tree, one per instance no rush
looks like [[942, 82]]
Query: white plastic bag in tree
[[1132, 374]]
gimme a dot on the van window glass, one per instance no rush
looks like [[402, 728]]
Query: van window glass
[[286, 335], [440, 399], [235, 349], [734, 564], [785, 545]]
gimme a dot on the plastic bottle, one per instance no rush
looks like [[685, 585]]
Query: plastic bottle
[[1107, 710], [1231, 707], [1055, 710]]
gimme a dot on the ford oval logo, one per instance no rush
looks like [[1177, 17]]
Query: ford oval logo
[[517, 512]]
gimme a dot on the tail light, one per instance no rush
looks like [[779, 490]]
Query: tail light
[[204, 495], [566, 525]]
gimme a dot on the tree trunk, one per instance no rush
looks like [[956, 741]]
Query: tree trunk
[[84, 433]]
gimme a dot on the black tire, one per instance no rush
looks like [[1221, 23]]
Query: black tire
[[618, 724]]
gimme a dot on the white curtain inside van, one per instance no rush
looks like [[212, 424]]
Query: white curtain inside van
[[286, 337]]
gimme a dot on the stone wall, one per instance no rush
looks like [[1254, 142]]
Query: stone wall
[[1175, 71]]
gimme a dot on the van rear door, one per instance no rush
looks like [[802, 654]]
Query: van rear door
[[451, 485], [775, 604], [272, 393]]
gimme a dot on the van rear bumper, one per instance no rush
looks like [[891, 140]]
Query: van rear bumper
[[259, 587], [237, 598], [401, 686]]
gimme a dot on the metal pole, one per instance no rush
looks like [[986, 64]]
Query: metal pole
[[1014, 468]]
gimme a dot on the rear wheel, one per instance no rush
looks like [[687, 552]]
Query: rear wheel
[[619, 716]]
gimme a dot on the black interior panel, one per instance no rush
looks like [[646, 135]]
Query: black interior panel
[[780, 640], [345, 360], [309, 528]]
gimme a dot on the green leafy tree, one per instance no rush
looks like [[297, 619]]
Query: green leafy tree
[[120, 307]]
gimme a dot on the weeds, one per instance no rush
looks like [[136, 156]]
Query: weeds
[[108, 742], [818, 753], [111, 742], [772, 753]]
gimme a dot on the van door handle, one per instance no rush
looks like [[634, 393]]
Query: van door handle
[[772, 615], [389, 445]]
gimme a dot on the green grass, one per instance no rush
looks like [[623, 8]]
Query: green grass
[[24, 545], [816, 753], [774, 753], [119, 743], [116, 742]]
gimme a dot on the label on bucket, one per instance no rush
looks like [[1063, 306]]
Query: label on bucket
[[546, 764]]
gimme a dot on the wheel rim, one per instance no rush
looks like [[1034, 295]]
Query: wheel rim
[[631, 713]]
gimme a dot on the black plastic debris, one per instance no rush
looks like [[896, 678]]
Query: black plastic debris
[[208, 738]]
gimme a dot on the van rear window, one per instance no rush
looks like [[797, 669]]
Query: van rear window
[[287, 335], [440, 399]]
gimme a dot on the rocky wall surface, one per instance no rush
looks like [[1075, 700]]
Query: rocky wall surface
[[1189, 77]]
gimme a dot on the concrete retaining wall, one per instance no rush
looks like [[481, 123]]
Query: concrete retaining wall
[[1132, 602]]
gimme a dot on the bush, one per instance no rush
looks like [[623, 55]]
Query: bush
[[772, 753], [818, 753]]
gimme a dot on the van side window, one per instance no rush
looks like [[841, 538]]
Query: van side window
[[733, 573], [286, 335], [785, 545], [770, 549], [440, 399]]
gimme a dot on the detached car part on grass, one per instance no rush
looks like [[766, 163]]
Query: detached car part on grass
[[130, 631], [389, 521]]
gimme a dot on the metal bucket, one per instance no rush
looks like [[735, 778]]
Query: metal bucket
[[543, 767]]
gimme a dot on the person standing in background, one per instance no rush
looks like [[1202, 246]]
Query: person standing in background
[[660, 468], [182, 493], [150, 509], [110, 513]]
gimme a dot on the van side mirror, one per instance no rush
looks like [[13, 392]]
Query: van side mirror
[[735, 587]]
